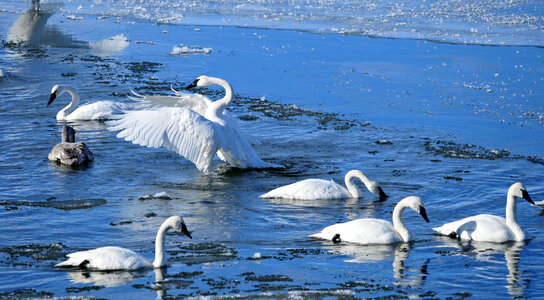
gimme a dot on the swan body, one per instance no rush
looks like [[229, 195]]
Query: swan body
[[193, 132], [311, 189], [375, 231], [490, 228], [100, 110], [117, 258]]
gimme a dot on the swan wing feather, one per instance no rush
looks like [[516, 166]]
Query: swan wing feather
[[195, 102], [177, 129]]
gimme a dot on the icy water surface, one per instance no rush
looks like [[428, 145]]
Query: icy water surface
[[454, 124]]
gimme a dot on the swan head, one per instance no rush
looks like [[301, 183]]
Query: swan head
[[416, 204], [518, 190], [56, 91], [177, 223], [202, 80], [375, 188]]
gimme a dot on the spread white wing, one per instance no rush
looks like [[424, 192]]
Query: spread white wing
[[195, 102], [175, 128]]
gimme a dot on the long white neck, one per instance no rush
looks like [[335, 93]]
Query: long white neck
[[61, 115], [352, 188], [215, 110], [160, 257], [399, 224], [511, 217]]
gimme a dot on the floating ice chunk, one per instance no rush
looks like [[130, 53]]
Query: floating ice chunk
[[74, 18], [256, 255], [186, 50], [110, 45], [160, 195]]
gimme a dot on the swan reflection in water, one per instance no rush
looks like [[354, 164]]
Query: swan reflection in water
[[31, 29], [106, 278], [398, 252], [121, 277], [489, 252]]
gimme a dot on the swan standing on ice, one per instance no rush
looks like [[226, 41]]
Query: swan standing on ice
[[101, 110], [195, 134], [490, 228], [375, 231], [117, 258], [311, 189]]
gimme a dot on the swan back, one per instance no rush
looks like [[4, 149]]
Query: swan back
[[309, 189]]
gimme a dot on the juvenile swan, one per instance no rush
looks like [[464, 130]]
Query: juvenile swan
[[101, 110], [375, 231], [490, 228], [192, 135], [311, 189], [116, 258]]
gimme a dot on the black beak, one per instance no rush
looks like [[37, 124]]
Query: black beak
[[423, 213], [527, 197], [383, 195], [192, 85], [52, 98], [185, 231]]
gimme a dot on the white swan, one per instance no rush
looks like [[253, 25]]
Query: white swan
[[117, 258], [311, 189], [100, 110], [490, 228], [196, 135], [375, 231]]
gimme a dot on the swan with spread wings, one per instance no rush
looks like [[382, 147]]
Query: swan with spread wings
[[192, 126]]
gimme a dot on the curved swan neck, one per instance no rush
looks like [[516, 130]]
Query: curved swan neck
[[352, 188], [218, 106], [511, 217], [73, 104], [160, 257], [399, 224]]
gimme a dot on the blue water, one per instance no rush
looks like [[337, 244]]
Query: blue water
[[463, 121]]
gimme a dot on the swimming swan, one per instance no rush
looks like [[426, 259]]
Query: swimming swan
[[196, 135], [101, 110], [116, 258], [490, 228], [311, 189], [375, 231]]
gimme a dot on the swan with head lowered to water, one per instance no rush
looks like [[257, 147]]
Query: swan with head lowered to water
[[197, 134], [100, 110], [375, 231], [312, 189], [117, 258], [490, 228]]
